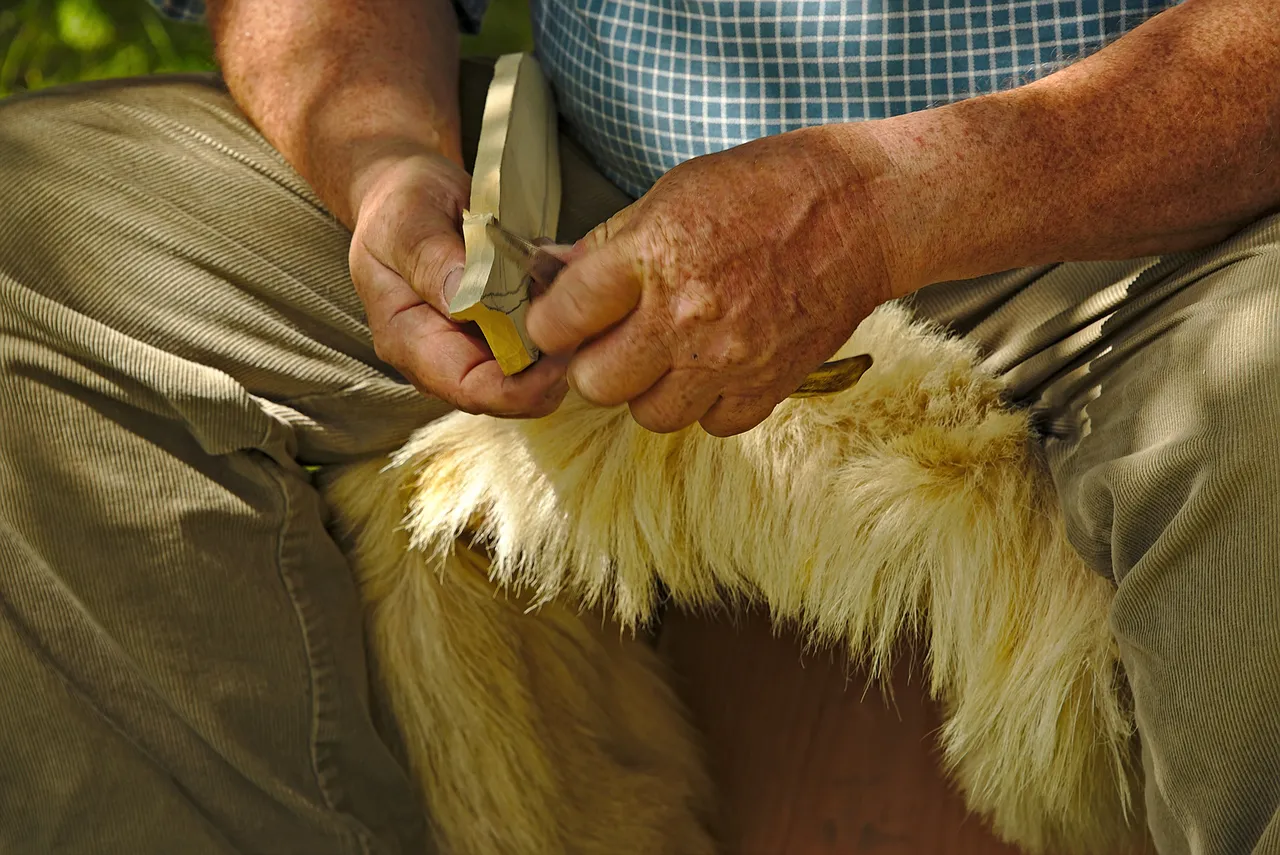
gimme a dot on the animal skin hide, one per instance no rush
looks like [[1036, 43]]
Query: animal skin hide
[[507, 564]]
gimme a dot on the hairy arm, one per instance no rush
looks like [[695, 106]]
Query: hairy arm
[[361, 97], [711, 297], [340, 86], [1164, 141]]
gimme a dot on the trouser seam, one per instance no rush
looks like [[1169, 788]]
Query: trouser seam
[[323, 772]]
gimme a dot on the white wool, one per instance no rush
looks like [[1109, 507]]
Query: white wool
[[911, 508]]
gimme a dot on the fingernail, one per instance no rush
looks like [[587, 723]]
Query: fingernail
[[451, 283]]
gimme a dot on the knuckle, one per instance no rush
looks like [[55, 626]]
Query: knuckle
[[671, 409], [725, 355], [737, 415], [719, 427], [573, 308], [696, 305], [722, 421], [656, 419], [599, 382], [554, 325], [558, 326], [386, 349], [609, 229], [585, 383], [737, 353], [422, 261], [597, 237], [468, 403]]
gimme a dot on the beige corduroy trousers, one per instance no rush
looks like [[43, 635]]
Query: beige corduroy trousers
[[180, 637]]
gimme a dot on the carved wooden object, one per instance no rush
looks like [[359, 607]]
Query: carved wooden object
[[516, 179]]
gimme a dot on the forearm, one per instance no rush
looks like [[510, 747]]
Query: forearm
[[1163, 141], [338, 85]]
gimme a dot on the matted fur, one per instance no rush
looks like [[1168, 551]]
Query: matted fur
[[912, 507]]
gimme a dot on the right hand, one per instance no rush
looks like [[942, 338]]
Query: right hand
[[406, 262]]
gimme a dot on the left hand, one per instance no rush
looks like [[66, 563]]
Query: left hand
[[712, 297]]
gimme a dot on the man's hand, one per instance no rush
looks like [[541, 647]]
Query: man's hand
[[361, 98], [712, 297], [406, 262]]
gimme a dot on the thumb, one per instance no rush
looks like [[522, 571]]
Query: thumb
[[595, 291], [430, 258]]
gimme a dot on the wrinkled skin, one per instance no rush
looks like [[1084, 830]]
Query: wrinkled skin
[[711, 298], [406, 261]]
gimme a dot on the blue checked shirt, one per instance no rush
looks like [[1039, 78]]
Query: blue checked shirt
[[646, 84]]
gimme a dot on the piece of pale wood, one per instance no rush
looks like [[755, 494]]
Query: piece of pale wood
[[516, 179]]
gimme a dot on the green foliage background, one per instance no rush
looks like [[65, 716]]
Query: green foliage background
[[47, 42]]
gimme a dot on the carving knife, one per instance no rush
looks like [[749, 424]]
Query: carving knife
[[543, 267]]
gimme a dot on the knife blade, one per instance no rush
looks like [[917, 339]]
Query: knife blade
[[538, 263]]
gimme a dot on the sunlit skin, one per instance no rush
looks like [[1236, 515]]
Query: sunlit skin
[[721, 325], [738, 273]]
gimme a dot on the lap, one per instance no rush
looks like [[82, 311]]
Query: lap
[[1157, 384]]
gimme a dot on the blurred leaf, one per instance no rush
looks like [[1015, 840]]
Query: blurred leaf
[[159, 38], [83, 26], [15, 54], [126, 61], [50, 42]]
